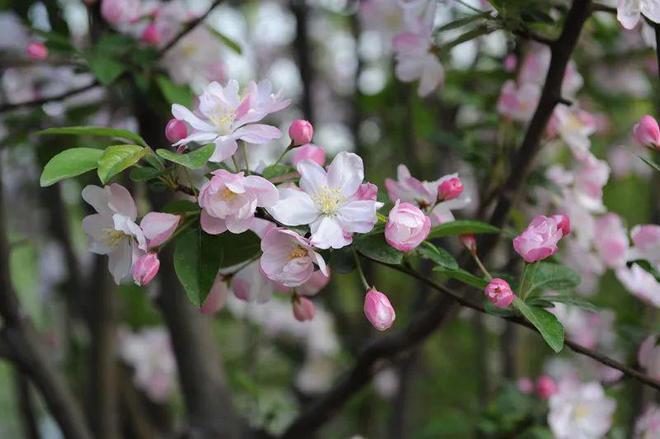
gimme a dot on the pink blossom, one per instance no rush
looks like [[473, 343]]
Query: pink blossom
[[158, 227], [309, 152], [646, 241], [647, 131], [580, 411], [176, 130], [301, 132], [228, 201], [406, 227], [590, 178], [450, 188], [288, 258], [217, 296], [518, 102], [569, 124], [499, 292], [510, 62], [378, 310], [303, 309], [469, 241], [648, 356], [151, 35], [629, 12], [328, 202], [640, 283], [119, 12], [539, 240], [545, 387], [224, 118], [648, 425], [250, 284], [612, 240], [317, 281], [37, 51], [586, 328], [145, 268], [563, 222], [112, 230]]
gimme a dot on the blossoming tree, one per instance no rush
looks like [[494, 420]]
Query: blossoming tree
[[260, 207]]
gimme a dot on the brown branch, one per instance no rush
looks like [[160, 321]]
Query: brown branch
[[187, 29], [4, 108]]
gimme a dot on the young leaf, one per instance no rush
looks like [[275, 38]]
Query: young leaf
[[174, 93], [193, 160], [549, 276], [96, 131], [105, 68], [116, 158], [229, 42], [461, 227], [547, 324], [69, 163], [375, 247], [438, 255], [144, 173], [571, 300], [273, 171], [463, 276]]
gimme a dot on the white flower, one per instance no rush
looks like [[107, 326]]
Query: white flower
[[640, 283], [330, 202], [113, 231], [224, 118], [629, 12], [580, 411]]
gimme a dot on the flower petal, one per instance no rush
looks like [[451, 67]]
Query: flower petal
[[294, 208], [346, 172]]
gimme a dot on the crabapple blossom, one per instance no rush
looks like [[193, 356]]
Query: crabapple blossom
[[288, 258], [301, 132], [648, 356], [145, 268], [331, 202], [539, 240], [648, 425], [250, 284], [640, 283], [118, 12], [229, 201], [646, 243], [450, 189], [590, 178], [499, 293], [647, 131], [303, 308], [176, 130], [37, 51], [196, 59], [563, 222], [586, 328], [317, 281], [151, 35], [469, 241], [112, 230], [629, 12], [517, 102], [308, 152], [223, 117], [545, 387], [378, 310], [406, 227], [158, 227], [612, 242], [580, 411], [570, 126]]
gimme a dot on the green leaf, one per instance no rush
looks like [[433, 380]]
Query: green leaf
[[105, 68], [342, 260], [181, 206], [462, 21], [229, 42], [547, 324], [276, 170], [193, 160], [375, 247], [95, 131], [461, 227], [463, 276], [548, 276], [174, 93], [198, 257], [144, 173], [571, 300], [650, 163], [438, 255], [116, 158], [69, 163]]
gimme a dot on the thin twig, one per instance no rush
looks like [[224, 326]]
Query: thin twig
[[41, 101], [187, 29]]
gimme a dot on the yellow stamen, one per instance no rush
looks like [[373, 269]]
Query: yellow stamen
[[228, 195], [329, 200], [298, 252], [113, 237]]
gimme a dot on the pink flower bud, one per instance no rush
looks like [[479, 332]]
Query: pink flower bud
[[470, 242], [545, 387], [176, 130], [647, 132], [158, 227], [301, 132], [539, 240], [450, 189], [303, 308], [151, 35], [406, 227], [563, 222], [311, 152], [525, 385], [37, 51], [378, 310], [499, 292], [145, 268]]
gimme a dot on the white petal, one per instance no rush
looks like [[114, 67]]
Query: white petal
[[121, 201], [225, 147], [120, 260], [312, 176], [98, 198], [358, 216], [628, 13], [257, 133], [182, 113], [346, 172], [328, 233], [212, 225], [294, 208], [95, 226], [266, 192], [651, 10]]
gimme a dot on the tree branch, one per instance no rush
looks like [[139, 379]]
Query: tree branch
[[4, 108], [187, 29]]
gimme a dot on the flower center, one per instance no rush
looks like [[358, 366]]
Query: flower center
[[298, 252], [329, 200], [113, 237], [222, 120], [227, 194], [581, 411]]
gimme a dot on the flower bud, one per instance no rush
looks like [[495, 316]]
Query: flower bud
[[539, 240], [301, 132], [647, 132], [303, 308], [176, 130], [145, 268], [450, 188], [37, 51], [406, 227], [563, 222], [152, 35], [470, 242], [309, 151], [545, 387], [499, 292], [378, 310]]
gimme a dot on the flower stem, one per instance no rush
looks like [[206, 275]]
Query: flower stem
[[359, 269], [279, 159], [482, 267], [245, 157], [236, 167]]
